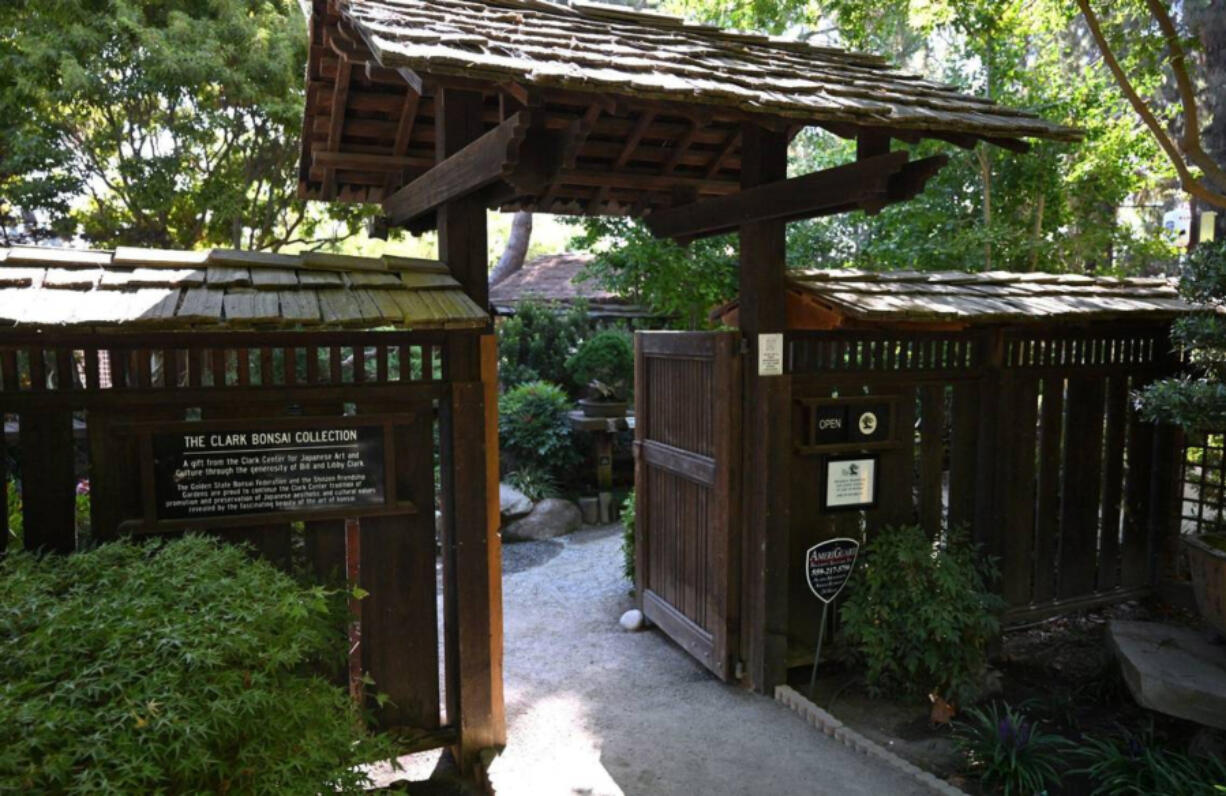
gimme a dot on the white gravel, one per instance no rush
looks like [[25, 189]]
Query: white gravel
[[594, 709]]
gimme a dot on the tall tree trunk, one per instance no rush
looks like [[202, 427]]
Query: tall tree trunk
[[1208, 22], [512, 258]]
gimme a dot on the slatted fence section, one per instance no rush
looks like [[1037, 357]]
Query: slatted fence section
[[1202, 507], [1029, 438], [110, 383]]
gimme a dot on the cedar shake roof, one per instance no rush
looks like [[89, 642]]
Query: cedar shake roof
[[991, 296], [139, 289], [638, 108], [596, 47]]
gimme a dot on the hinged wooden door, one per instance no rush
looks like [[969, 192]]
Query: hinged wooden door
[[687, 480]]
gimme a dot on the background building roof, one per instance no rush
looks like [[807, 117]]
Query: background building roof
[[555, 278]]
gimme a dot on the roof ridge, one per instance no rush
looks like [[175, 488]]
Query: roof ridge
[[138, 257]]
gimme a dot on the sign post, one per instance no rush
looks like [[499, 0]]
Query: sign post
[[828, 564]]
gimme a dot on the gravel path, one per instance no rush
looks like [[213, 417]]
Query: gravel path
[[595, 710]]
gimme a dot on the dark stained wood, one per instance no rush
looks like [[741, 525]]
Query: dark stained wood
[[399, 633], [1082, 487], [48, 482], [931, 457], [1047, 510], [1135, 553], [783, 199], [1016, 482], [964, 424], [767, 434], [1113, 482]]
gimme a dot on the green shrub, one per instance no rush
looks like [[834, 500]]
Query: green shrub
[[171, 668], [1136, 765], [605, 361], [15, 516], [534, 431], [919, 614], [1008, 750], [534, 343], [628, 536]]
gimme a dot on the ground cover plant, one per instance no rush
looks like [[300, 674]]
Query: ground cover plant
[[1009, 750], [919, 614], [177, 667]]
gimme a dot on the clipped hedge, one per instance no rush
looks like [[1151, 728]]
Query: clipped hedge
[[177, 667]]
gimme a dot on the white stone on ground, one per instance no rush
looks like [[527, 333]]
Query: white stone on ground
[[632, 619]]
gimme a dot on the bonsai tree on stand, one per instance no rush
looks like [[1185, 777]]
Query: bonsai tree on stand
[[605, 363]]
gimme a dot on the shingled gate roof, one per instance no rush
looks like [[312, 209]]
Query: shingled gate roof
[[989, 297], [643, 104], [139, 289]]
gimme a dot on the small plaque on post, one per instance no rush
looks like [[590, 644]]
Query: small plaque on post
[[770, 354], [850, 482]]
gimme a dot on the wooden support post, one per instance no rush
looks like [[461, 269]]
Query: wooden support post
[[767, 426], [48, 482], [472, 568]]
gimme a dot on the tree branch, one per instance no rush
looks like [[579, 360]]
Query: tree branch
[[1190, 141], [1195, 187]]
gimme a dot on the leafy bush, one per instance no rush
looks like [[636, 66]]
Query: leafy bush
[[534, 343], [536, 483], [15, 517], [919, 614], [628, 536], [1136, 765], [176, 667], [604, 362], [1009, 751], [534, 431], [1196, 400]]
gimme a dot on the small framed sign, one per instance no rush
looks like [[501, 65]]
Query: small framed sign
[[849, 482], [770, 354]]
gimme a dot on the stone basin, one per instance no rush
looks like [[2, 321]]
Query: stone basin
[[1173, 670]]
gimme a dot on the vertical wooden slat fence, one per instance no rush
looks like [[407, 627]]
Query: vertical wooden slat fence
[[113, 382], [1026, 437]]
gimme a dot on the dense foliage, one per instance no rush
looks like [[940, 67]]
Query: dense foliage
[[919, 614], [533, 429], [173, 123], [605, 363], [535, 342], [173, 668], [1197, 399], [679, 284], [1009, 751]]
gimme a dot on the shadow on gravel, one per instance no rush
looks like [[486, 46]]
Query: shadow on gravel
[[523, 556]]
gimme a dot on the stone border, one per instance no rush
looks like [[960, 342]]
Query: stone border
[[831, 726]]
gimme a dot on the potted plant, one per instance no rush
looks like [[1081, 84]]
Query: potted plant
[[605, 363], [1207, 561]]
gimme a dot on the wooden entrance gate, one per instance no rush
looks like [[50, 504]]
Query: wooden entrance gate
[[687, 514]]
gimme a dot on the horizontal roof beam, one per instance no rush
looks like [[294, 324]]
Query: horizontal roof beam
[[864, 183], [507, 153]]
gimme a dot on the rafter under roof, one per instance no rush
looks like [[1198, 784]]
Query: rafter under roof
[[642, 111]]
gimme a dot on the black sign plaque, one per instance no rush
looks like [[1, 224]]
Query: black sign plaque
[[828, 564], [245, 470]]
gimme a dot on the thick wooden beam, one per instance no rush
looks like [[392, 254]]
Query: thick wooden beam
[[766, 428], [472, 603], [480, 163], [783, 200]]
